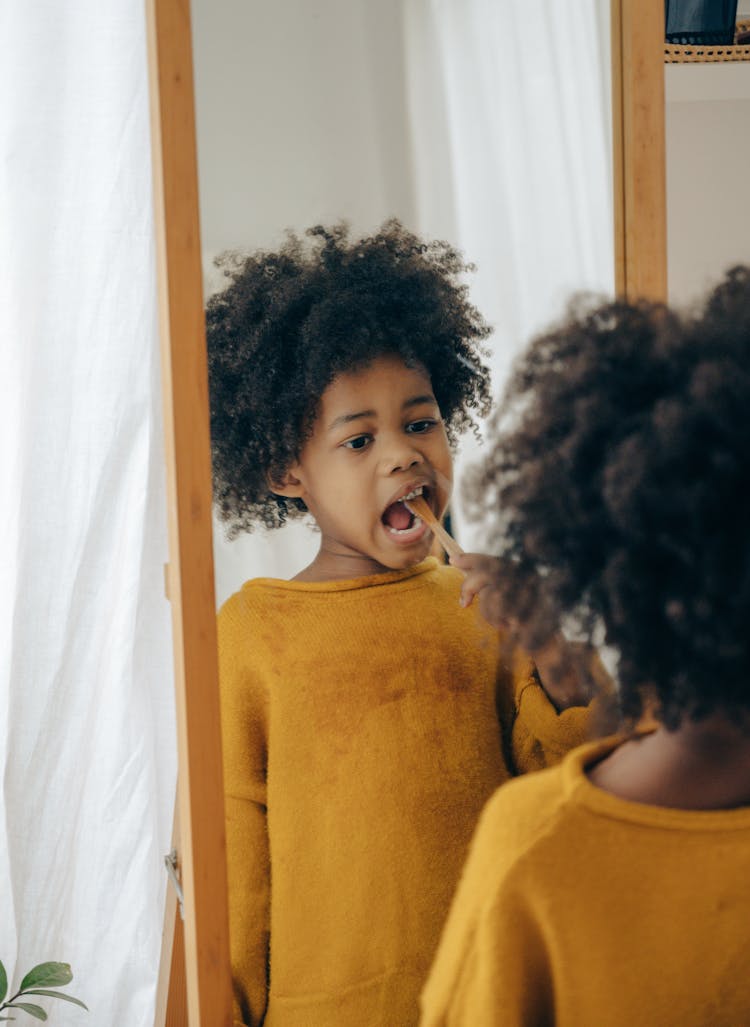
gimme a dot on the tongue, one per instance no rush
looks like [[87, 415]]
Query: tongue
[[397, 516]]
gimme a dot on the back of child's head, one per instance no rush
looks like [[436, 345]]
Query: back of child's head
[[293, 320], [619, 485]]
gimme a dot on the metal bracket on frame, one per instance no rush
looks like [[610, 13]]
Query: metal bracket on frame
[[173, 873]]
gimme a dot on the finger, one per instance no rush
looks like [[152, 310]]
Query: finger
[[464, 561], [473, 583], [475, 561]]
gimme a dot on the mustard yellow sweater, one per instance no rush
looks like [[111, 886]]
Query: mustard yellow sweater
[[361, 740], [580, 909]]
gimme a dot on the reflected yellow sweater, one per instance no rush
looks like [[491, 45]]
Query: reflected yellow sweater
[[361, 740], [580, 909]]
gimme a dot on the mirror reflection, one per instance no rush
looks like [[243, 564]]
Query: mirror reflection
[[365, 710], [485, 125]]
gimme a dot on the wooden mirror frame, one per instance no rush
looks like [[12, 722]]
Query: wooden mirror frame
[[639, 149], [195, 981]]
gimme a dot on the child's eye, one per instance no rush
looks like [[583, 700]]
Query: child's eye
[[359, 442], [421, 426]]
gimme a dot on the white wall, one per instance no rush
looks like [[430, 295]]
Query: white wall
[[301, 117], [708, 157]]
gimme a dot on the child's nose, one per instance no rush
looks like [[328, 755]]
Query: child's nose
[[401, 455]]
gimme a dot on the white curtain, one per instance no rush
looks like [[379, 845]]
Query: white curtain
[[510, 122], [87, 734]]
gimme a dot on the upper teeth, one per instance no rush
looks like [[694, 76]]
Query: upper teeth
[[412, 495]]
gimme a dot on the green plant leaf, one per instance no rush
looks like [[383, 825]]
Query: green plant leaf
[[3, 982], [29, 1008], [57, 994], [47, 974]]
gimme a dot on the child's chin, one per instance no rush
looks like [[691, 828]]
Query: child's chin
[[408, 558]]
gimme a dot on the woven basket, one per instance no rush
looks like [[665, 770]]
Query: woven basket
[[678, 54]]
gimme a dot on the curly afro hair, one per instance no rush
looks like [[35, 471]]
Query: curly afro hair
[[292, 320], [619, 490]]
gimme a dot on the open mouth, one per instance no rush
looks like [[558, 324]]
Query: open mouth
[[399, 519]]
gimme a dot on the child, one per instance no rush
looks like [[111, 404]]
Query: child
[[360, 702], [614, 888]]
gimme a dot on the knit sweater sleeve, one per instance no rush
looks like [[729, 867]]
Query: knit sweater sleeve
[[244, 718], [536, 734]]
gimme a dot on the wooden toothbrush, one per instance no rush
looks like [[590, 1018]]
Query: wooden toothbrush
[[418, 506]]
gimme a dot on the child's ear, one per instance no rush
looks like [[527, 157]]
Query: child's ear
[[289, 486]]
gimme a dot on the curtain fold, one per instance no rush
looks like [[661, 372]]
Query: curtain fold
[[510, 121], [86, 706]]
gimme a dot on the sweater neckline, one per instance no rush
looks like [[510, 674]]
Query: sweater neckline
[[581, 790], [430, 563]]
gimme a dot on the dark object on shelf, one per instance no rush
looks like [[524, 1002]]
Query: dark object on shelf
[[702, 53], [695, 22]]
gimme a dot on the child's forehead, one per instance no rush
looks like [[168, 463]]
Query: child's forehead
[[384, 372], [385, 383]]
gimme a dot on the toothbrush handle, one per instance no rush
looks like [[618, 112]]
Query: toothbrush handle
[[419, 506]]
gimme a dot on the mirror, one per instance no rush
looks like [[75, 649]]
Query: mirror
[[381, 154], [298, 124], [484, 124], [288, 143]]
